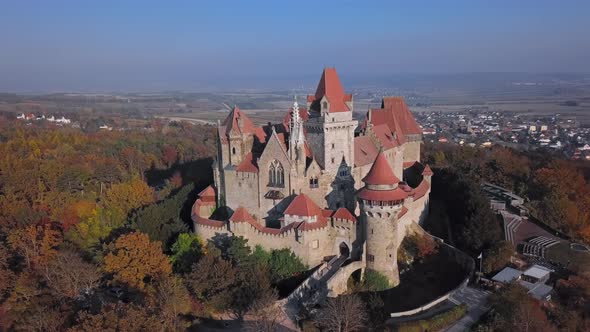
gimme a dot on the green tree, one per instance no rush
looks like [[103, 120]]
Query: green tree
[[161, 221], [186, 251], [284, 264]]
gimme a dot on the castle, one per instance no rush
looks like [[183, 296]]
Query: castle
[[318, 183]]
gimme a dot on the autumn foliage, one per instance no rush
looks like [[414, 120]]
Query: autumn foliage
[[136, 260]]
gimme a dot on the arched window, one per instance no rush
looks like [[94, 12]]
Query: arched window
[[233, 150], [276, 174], [325, 106]]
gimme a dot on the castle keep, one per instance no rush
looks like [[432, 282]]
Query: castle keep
[[320, 182]]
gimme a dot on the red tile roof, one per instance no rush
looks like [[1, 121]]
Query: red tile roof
[[365, 151], [343, 213], [207, 195], [421, 189], [385, 136], [303, 206], [232, 123], [331, 88], [380, 172], [402, 114], [207, 192], [396, 194], [241, 215], [308, 226], [248, 164]]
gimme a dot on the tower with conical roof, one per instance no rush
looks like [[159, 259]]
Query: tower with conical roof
[[381, 204]]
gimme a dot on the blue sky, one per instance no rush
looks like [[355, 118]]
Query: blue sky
[[149, 45]]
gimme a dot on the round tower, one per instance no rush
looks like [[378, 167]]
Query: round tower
[[381, 201]]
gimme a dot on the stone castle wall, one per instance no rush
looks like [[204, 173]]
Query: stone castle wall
[[311, 246], [412, 151]]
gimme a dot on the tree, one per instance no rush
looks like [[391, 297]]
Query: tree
[[118, 317], [68, 275], [186, 251], [169, 155], [89, 232], [573, 294], [252, 284], [343, 314], [36, 244], [266, 315], [497, 257], [172, 300], [211, 279], [129, 195], [6, 274], [136, 260], [284, 264], [161, 221], [517, 311], [236, 250]]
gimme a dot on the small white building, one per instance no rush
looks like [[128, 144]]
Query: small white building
[[533, 279]]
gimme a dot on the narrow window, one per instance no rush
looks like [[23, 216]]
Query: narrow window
[[233, 150]]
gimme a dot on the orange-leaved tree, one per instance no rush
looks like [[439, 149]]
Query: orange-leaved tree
[[136, 259], [129, 195], [36, 244]]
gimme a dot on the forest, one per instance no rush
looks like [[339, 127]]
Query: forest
[[95, 231], [556, 191]]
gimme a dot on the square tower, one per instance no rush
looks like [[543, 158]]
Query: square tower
[[330, 128]]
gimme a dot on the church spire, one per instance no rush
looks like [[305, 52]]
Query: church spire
[[297, 139]]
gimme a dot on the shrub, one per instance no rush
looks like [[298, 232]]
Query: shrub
[[375, 281]]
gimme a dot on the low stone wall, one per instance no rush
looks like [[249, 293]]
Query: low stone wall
[[466, 262]]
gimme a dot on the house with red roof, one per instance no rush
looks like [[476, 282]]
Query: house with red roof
[[320, 181]]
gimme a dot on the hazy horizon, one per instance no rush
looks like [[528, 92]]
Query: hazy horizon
[[61, 46]]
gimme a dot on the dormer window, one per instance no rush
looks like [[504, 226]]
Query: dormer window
[[325, 106]]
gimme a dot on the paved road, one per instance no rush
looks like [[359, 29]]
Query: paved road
[[477, 301]]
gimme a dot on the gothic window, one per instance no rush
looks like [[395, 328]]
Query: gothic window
[[276, 174]]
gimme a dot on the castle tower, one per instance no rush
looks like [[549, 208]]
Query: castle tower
[[330, 128], [237, 130], [381, 201], [235, 137]]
